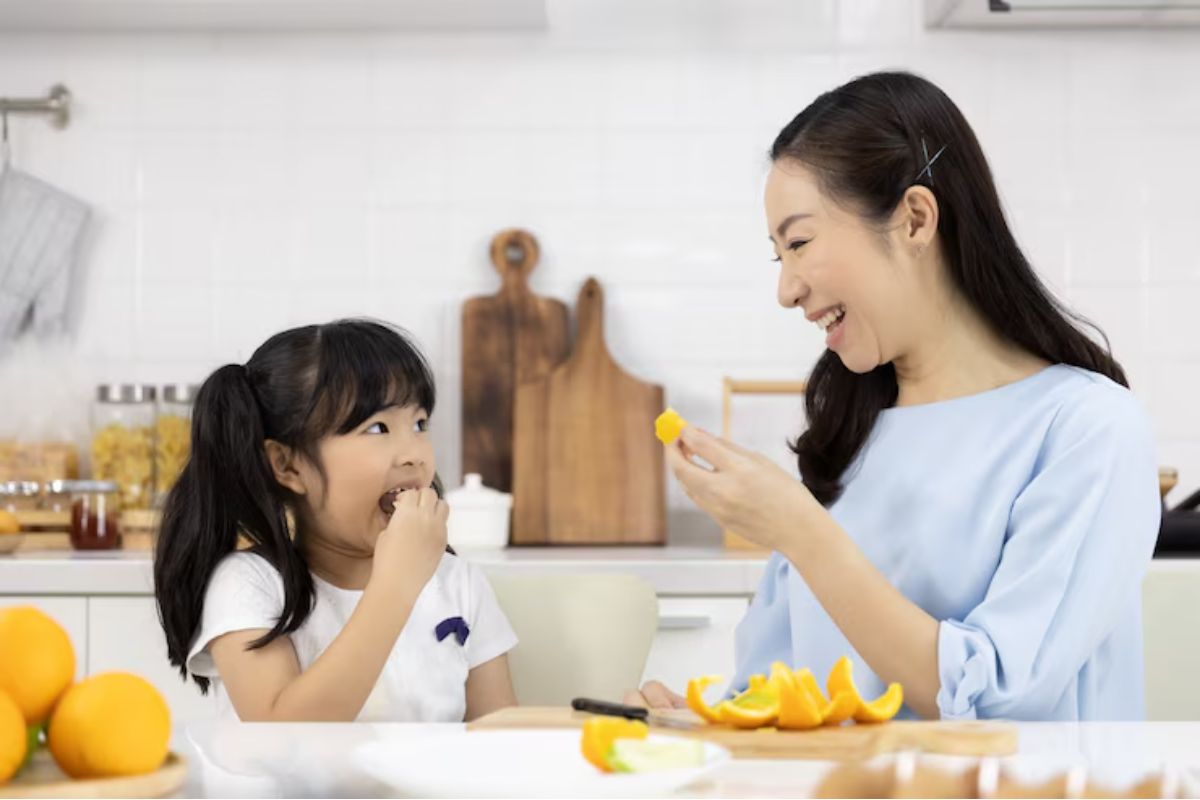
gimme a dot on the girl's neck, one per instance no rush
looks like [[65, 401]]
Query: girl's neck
[[341, 566], [957, 356]]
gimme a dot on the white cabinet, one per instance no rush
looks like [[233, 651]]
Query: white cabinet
[[695, 637], [124, 634], [69, 612]]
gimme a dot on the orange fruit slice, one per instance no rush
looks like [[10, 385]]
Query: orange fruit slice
[[695, 698], [883, 708], [599, 733], [753, 708], [668, 426], [835, 711], [798, 709]]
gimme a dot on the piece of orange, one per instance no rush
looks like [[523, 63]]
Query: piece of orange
[[798, 709], [599, 733], [13, 738], [108, 725], [668, 426], [695, 698], [835, 711], [883, 708], [753, 708], [37, 661]]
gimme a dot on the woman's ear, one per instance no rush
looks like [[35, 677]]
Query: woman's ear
[[918, 217], [283, 464]]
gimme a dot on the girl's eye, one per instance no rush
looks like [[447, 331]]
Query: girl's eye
[[378, 427], [796, 245], [421, 425]]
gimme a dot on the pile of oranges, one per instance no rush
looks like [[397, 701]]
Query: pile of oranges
[[107, 725]]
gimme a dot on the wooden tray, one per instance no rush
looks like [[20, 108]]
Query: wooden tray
[[43, 778], [846, 743], [48, 530]]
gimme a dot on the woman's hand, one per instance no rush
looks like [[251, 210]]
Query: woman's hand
[[744, 491], [654, 695]]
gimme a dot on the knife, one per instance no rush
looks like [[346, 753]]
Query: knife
[[640, 713]]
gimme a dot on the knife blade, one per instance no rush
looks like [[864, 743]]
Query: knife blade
[[649, 716]]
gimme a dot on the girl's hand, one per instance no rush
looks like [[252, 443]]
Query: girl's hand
[[744, 491], [410, 548]]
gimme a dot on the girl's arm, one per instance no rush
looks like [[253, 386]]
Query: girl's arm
[[489, 688], [267, 685]]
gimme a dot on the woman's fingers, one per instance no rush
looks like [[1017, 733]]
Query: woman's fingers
[[714, 450], [657, 695]]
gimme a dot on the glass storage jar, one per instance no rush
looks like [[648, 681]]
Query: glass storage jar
[[123, 441], [172, 436], [95, 513]]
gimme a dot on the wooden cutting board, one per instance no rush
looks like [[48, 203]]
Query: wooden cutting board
[[846, 743], [511, 336], [42, 778], [586, 466]]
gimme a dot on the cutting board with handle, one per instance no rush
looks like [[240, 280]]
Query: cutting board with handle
[[508, 337], [586, 466], [846, 743]]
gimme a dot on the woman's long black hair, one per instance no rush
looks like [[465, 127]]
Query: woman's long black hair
[[868, 141], [299, 386]]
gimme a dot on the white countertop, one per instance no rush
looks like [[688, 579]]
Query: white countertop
[[672, 570], [316, 760]]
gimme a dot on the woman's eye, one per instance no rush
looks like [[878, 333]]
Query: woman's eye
[[378, 427], [796, 245], [421, 425]]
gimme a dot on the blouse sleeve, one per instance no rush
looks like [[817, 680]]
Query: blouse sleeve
[[1078, 543]]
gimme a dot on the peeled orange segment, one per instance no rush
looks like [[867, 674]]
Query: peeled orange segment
[[695, 698], [599, 733], [840, 708], [750, 709], [668, 426], [841, 679], [808, 681], [884, 707], [798, 710]]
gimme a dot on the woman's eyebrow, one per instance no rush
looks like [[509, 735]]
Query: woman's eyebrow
[[783, 226]]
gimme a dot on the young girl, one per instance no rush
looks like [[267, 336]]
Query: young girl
[[358, 610]]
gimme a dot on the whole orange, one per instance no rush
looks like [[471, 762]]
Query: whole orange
[[12, 738], [110, 724], [37, 662]]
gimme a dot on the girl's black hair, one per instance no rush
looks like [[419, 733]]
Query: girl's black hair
[[298, 387], [868, 142]]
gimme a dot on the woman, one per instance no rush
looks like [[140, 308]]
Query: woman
[[978, 501]]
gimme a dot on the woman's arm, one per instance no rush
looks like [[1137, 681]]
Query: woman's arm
[[267, 684], [489, 688]]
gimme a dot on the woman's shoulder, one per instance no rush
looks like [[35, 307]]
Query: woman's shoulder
[[1088, 404]]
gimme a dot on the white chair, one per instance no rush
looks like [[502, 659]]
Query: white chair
[[580, 635], [1170, 601]]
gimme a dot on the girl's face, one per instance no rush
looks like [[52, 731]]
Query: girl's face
[[852, 281], [364, 470]]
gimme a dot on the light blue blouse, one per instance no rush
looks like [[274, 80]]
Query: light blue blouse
[[1023, 520]]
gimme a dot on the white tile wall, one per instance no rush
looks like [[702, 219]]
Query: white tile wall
[[247, 183]]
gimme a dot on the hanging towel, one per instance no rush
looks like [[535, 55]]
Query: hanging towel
[[40, 229]]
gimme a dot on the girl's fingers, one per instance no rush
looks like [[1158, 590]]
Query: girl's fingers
[[712, 449]]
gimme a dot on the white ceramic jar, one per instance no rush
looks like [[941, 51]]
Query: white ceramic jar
[[479, 516]]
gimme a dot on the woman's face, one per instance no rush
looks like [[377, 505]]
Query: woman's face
[[844, 274], [365, 469]]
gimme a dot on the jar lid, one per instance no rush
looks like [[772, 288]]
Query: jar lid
[[72, 487], [20, 488], [180, 392], [473, 494], [125, 393]]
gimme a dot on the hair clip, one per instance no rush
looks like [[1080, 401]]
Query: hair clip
[[455, 625], [929, 161]]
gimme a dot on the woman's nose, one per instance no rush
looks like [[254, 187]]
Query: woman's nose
[[792, 290]]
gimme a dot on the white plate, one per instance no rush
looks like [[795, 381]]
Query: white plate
[[541, 763]]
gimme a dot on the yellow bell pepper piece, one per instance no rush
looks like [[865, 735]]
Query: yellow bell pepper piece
[[668, 426]]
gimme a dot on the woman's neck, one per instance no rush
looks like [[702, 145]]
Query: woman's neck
[[957, 355], [343, 567]]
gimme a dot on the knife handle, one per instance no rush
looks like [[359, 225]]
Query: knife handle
[[610, 709]]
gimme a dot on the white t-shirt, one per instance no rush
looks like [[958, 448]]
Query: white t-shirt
[[423, 680]]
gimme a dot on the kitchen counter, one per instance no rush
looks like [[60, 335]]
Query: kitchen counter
[[315, 760], [672, 570]]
